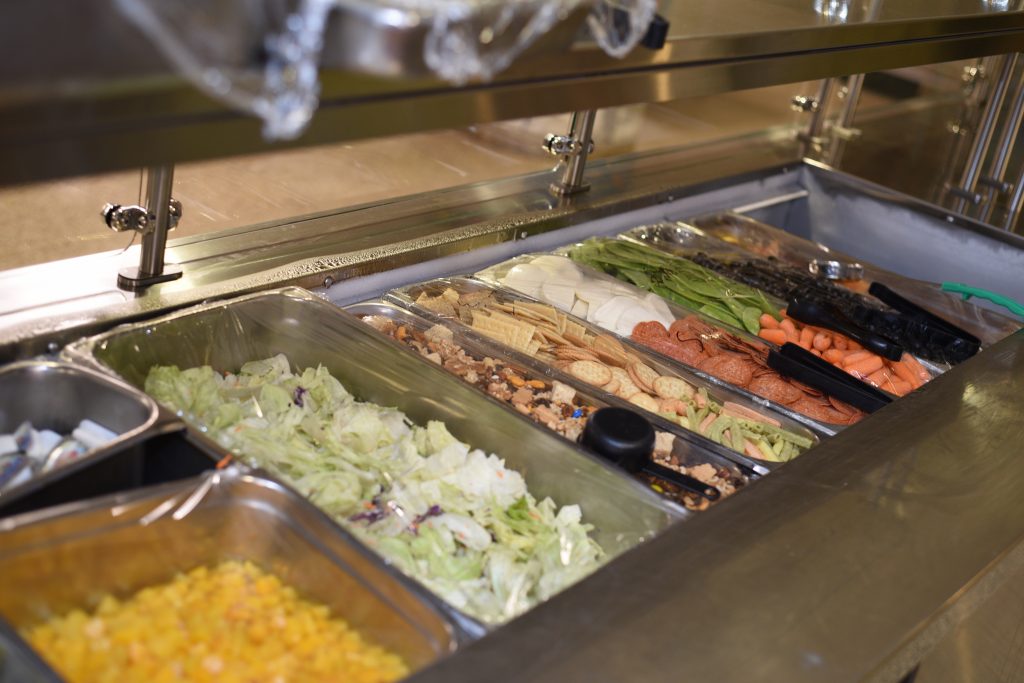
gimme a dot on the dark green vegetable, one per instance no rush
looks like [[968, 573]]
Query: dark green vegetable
[[678, 280]]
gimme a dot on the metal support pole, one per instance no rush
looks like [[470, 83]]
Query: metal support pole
[[995, 179], [153, 221], [574, 149], [977, 80], [159, 180], [843, 130], [965, 192], [1016, 202], [811, 139]]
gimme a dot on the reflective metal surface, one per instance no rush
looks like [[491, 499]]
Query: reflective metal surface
[[986, 646], [75, 104], [337, 246], [59, 396], [687, 450], [790, 419], [312, 332], [68, 557], [873, 549], [18, 663], [860, 218], [753, 236], [718, 390]]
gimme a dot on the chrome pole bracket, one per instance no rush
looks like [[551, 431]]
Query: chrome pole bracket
[[573, 148], [153, 221]]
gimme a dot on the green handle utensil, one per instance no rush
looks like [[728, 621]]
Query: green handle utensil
[[967, 292]]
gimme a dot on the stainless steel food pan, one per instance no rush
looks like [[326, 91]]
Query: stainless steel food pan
[[686, 451], [19, 663], [717, 390], [765, 240], [69, 557], [58, 396], [312, 332], [494, 275], [683, 241]]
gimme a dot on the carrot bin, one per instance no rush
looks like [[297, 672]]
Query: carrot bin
[[897, 377]]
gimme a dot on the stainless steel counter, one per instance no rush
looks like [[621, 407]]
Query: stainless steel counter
[[849, 563], [846, 565]]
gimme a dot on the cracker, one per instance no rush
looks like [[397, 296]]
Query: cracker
[[575, 354], [642, 400], [613, 386], [477, 298], [610, 358], [643, 375], [574, 329], [590, 372], [672, 387], [626, 386], [578, 340], [609, 344]]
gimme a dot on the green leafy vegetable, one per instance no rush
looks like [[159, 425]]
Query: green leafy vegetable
[[453, 518], [679, 280]]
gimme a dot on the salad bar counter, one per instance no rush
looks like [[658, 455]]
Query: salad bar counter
[[622, 450]]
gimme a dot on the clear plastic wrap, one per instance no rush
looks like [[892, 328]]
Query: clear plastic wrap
[[69, 557], [262, 56], [618, 25]]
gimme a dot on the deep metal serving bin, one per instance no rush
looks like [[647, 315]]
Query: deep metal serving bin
[[684, 449], [495, 274], [68, 557], [717, 390], [312, 332], [58, 396]]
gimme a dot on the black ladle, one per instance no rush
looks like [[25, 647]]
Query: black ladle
[[813, 313], [627, 440]]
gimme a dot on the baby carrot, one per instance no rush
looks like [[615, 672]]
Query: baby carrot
[[853, 345], [880, 378], [822, 342], [834, 356], [775, 336], [863, 367], [905, 373], [816, 352], [855, 357], [790, 329], [840, 343], [915, 367], [900, 387], [806, 337], [768, 322]]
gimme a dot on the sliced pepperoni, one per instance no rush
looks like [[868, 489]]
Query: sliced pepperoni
[[649, 330]]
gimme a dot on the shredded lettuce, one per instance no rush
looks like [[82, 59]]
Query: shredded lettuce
[[454, 518]]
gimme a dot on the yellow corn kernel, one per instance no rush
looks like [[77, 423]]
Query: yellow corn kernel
[[228, 623]]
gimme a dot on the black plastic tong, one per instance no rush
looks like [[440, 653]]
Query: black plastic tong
[[830, 317], [803, 366], [959, 344]]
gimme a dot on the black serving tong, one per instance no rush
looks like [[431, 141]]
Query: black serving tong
[[793, 361], [946, 332], [627, 440], [822, 315]]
